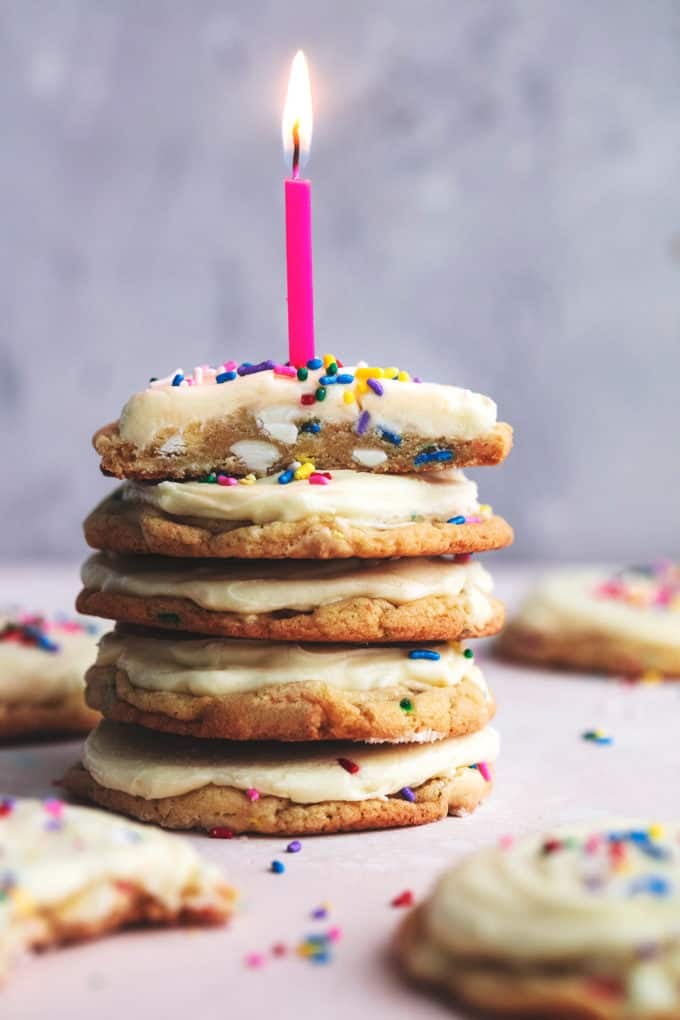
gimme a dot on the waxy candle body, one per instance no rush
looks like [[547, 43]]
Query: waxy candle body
[[299, 268]]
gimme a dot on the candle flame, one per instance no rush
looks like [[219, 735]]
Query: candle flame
[[296, 124]]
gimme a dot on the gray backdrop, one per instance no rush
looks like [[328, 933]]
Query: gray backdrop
[[495, 202]]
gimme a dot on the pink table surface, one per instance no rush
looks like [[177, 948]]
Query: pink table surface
[[547, 775]]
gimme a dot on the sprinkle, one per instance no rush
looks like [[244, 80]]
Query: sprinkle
[[302, 374], [286, 370], [654, 885], [279, 949], [178, 379], [6, 806], [345, 378], [315, 363], [424, 653], [320, 393], [390, 437], [254, 960], [376, 386], [391, 372], [348, 397], [247, 369], [307, 398], [408, 794], [169, 618], [295, 847], [286, 477], [429, 456], [319, 913], [226, 480], [332, 367], [317, 479], [220, 832], [348, 766], [329, 359], [247, 480], [404, 377], [252, 794], [404, 899], [551, 846], [456, 520], [506, 841], [54, 807], [327, 380], [406, 705], [468, 653], [597, 737], [304, 471], [277, 867], [311, 426], [656, 831], [484, 771], [362, 424], [223, 377], [334, 934], [369, 372]]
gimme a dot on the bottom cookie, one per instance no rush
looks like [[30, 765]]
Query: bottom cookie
[[181, 783], [71, 873], [576, 925]]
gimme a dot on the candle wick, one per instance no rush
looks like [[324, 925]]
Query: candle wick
[[296, 150]]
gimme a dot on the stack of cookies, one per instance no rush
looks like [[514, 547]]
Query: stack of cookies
[[289, 564]]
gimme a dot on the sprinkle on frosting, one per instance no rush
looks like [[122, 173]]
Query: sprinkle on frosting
[[39, 632], [649, 586]]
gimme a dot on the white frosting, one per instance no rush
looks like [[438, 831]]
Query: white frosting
[[358, 497], [566, 602], [29, 674], [524, 906], [155, 765], [428, 409], [224, 666], [266, 586], [59, 861]]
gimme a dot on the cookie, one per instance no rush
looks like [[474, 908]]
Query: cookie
[[243, 419], [580, 924], [335, 600], [71, 873], [295, 789], [250, 690], [354, 514], [42, 669], [626, 622]]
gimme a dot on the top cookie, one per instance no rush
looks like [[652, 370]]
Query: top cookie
[[258, 419]]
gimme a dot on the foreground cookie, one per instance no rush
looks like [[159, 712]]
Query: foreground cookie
[[42, 669], [69, 873], [343, 600], [271, 788], [627, 622], [242, 419], [348, 513], [253, 690], [579, 924]]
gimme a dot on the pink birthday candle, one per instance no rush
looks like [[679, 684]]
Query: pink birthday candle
[[296, 130]]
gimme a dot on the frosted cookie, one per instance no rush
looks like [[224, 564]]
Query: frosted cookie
[[70, 873], [42, 669], [625, 622], [254, 690], [243, 419], [578, 924], [299, 600], [281, 788], [347, 513]]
